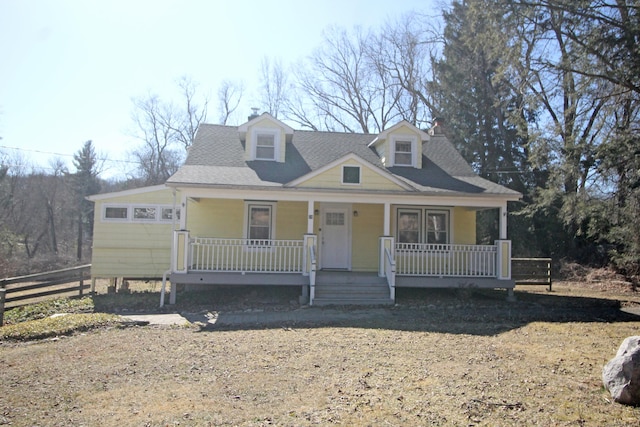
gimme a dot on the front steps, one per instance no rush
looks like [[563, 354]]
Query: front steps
[[348, 288]]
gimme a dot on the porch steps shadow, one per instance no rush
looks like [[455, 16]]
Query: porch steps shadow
[[348, 288]]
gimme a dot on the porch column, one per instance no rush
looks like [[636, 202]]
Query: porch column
[[503, 221], [180, 251], [503, 259], [387, 220], [386, 242], [183, 211], [310, 211]]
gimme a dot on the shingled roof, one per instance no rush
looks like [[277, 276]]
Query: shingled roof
[[216, 158]]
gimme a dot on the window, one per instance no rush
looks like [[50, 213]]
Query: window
[[351, 174], [139, 213], [437, 227], [167, 214], [410, 227], [259, 224], [334, 218], [265, 146], [144, 213], [403, 155], [404, 150], [115, 212]]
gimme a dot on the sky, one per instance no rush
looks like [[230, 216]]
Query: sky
[[70, 68]]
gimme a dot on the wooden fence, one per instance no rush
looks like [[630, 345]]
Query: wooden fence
[[531, 271], [16, 291]]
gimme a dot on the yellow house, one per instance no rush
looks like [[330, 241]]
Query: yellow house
[[348, 217]]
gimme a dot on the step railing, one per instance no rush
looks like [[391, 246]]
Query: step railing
[[390, 272]]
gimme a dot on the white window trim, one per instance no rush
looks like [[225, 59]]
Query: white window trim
[[424, 211], [155, 215], [276, 143], [359, 175], [130, 209], [414, 149], [247, 218], [104, 213]]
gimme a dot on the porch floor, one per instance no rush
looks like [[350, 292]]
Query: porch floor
[[225, 278]]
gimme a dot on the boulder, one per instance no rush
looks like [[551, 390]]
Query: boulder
[[621, 376]]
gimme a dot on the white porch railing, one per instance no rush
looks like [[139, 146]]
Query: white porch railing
[[245, 255], [445, 260], [312, 273], [390, 272]]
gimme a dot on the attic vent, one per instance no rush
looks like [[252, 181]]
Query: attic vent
[[254, 114]]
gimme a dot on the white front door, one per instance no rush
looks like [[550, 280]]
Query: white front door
[[336, 237]]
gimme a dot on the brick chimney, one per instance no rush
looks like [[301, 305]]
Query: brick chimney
[[438, 127]]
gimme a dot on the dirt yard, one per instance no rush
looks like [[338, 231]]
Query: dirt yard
[[458, 358]]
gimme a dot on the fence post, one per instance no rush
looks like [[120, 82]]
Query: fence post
[[2, 299]]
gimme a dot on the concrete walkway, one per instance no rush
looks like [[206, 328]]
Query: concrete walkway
[[257, 317]]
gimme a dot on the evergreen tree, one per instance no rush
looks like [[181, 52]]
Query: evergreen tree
[[85, 183]]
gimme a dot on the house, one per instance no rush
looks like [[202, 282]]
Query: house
[[348, 217]]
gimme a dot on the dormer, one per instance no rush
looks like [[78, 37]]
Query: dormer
[[265, 138], [400, 145]]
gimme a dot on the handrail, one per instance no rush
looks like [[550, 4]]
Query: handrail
[[312, 274], [390, 272]]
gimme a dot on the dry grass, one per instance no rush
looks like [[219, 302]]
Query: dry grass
[[444, 358]]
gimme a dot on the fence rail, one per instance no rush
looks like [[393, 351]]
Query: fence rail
[[531, 271], [16, 291]]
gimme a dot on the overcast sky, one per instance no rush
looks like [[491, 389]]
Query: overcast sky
[[70, 68]]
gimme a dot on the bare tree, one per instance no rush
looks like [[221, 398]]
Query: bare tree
[[192, 112], [166, 130], [343, 87], [229, 97], [273, 86]]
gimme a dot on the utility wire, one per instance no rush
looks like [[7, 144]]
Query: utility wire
[[65, 155]]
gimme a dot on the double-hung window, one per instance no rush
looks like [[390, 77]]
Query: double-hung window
[[423, 225], [265, 146], [404, 150], [403, 153], [259, 222]]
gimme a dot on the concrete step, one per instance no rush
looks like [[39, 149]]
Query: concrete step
[[352, 301]]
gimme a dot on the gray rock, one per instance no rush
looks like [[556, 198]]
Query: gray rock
[[621, 376]]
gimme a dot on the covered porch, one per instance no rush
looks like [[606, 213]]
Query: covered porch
[[368, 255]]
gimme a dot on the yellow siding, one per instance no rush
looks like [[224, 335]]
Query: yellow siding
[[160, 197], [131, 263], [383, 151], [332, 178], [291, 220], [215, 218], [131, 249], [367, 227], [464, 226]]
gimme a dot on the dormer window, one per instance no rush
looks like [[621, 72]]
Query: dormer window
[[404, 149], [265, 144], [403, 154]]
